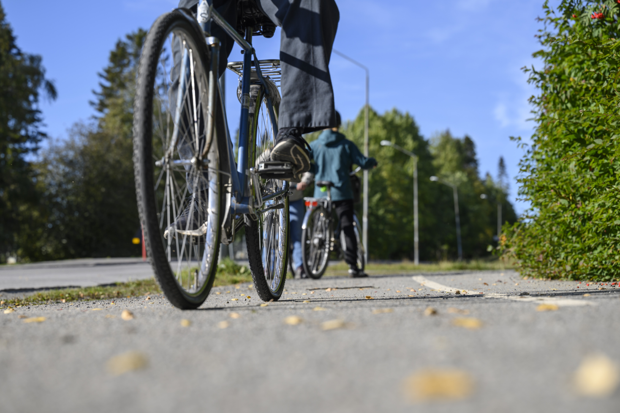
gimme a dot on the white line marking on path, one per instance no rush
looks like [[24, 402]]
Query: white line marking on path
[[563, 302]]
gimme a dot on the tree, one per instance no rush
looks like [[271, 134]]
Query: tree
[[569, 174], [22, 81], [87, 180]]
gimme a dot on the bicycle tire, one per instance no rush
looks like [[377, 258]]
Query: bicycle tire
[[316, 242], [184, 263], [266, 233]]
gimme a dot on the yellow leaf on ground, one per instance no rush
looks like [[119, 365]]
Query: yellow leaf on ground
[[319, 309], [96, 309], [332, 324], [382, 311], [127, 362], [223, 324], [264, 305], [127, 315], [218, 293], [453, 310], [587, 295], [234, 315], [430, 311], [234, 299], [467, 322], [368, 297], [597, 376], [34, 320], [430, 385], [9, 311], [22, 316], [293, 320], [328, 289], [248, 297], [306, 301], [186, 323], [547, 307]]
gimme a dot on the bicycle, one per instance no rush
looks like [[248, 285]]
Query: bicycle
[[318, 239], [192, 193]]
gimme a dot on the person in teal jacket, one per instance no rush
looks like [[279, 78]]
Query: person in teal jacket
[[334, 157]]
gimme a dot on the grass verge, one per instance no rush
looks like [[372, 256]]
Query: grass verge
[[230, 273]]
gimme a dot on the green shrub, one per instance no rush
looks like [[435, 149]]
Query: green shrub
[[570, 172]]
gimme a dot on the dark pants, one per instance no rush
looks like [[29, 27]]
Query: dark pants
[[308, 33], [345, 210]]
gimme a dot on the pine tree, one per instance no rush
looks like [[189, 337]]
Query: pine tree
[[22, 81]]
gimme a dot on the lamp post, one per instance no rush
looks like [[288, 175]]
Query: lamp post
[[416, 250], [456, 214], [365, 207]]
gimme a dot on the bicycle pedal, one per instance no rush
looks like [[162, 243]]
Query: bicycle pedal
[[275, 170]]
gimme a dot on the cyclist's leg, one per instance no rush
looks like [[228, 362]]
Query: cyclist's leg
[[297, 211], [345, 210], [308, 33]]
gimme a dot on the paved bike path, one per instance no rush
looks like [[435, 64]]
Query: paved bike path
[[336, 344]]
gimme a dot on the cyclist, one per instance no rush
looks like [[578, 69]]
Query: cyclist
[[334, 156], [308, 32]]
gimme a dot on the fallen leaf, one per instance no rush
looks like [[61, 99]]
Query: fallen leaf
[[148, 298], [306, 301], [127, 362], [438, 385], [597, 376], [411, 295], [382, 311], [127, 315], [234, 315], [63, 301], [485, 283], [312, 292], [457, 292], [109, 316], [452, 310], [430, 311], [237, 287], [587, 295], [319, 309], [223, 324], [397, 291], [303, 294], [328, 290], [96, 309], [248, 297], [34, 320], [22, 316], [186, 323], [9, 311], [234, 299], [369, 297], [547, 307], [293, 320], [264, 305], [218, 293], [332, 324], [1, 302], [467, 322]]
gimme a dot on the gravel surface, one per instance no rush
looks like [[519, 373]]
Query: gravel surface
[[335, 345]]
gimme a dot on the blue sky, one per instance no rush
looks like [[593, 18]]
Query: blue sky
[[452, 65]]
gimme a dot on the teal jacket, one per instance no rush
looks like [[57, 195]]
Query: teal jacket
[[334, 156]]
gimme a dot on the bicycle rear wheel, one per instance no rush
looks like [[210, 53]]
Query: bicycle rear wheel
[[316, 242], [267, 232], [179, 197]]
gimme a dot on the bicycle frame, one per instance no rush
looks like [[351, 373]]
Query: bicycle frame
[[239, 200]]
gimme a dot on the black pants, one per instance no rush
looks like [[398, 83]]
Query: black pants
[[308, 33], [345, 210]]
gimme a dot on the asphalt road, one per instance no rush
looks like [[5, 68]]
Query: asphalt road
[[72, 273], [333, 345]]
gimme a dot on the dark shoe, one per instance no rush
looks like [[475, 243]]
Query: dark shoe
[[300, 273], [355, 272], [194, 224], [291, 147]]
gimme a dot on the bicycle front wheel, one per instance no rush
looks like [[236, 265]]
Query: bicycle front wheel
[[179, 196], [267, 231], [316, 242]]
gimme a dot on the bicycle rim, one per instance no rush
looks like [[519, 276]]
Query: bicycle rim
[[316, 243], [269, 273], [180, 198]]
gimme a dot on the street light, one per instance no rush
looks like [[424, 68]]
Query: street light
[[365, 207], [416, 251], [456, 214]]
